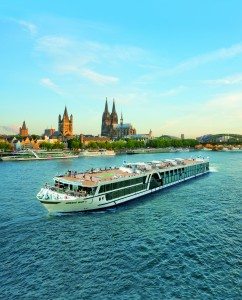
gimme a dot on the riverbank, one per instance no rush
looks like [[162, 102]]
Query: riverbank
[[221, 147]]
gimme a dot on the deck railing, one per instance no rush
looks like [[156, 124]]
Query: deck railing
[[67, 191]]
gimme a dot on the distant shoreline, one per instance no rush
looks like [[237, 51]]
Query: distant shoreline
[[154, 150]]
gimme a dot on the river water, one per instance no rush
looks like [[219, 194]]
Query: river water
[[181, 243]]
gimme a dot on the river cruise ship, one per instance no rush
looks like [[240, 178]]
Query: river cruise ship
[[101, 188], [30, 154], [100, 152]]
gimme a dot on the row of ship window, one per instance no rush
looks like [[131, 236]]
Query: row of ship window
[[141, 185], [168, 176], [124, 192], [189, 171], [197, 168], [121, 184]]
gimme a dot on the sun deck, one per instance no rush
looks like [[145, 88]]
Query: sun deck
[[93, 177]]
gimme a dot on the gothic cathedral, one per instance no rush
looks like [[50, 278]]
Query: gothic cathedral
[[110, 126], [109, 121]]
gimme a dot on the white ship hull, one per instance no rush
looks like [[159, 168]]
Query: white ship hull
[[61, 203], [98, 153], [9, 158]]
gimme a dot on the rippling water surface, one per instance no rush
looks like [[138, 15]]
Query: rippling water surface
[[181, 243]]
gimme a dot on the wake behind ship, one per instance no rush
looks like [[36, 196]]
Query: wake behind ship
[[100, 188]]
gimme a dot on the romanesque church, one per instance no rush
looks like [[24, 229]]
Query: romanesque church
[[65, 123], [23, 131]]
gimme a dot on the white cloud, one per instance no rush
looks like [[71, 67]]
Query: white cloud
[[222, 113], [28, 26], [193, 62], [47, 42], [87, 74], [98, 78], [126, 53], [230, 80], [94, 51], [172, 92], [218, 54], [218, 114], [227, 104], [85, 58], [161, 70], [53, 45], [46, 82]]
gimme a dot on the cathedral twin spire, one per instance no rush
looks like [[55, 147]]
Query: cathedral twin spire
[[113, 117], [110, 126], [109, 121], [106, 106], [114, 109]]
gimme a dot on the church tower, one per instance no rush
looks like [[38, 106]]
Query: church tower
[[106, 121], [114, 121], [23, 131], [114, 116], [65, 124], [121, 119]]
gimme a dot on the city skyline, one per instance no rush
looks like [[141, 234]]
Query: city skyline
[[171, 66]]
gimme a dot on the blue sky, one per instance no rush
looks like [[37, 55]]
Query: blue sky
[[172, 66]]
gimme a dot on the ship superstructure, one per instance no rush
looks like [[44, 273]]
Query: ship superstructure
[[100, 188]]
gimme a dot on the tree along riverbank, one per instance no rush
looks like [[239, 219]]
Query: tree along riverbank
[[123, 145], [116, 145]]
